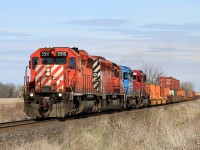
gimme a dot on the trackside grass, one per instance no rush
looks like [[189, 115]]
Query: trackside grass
[[158, 128], [11, 110]]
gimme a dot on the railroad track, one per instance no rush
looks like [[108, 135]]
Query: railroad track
[[79, 116], [22, 122]]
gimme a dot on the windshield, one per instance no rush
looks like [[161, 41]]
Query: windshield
[[51, 60], [125, 75], [134, 77], [61, 60], [116, 73], [47, 60]]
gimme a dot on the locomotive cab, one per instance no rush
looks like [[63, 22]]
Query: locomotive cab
[[139, 83], [139, 80], [127, 76], [127, 80], [117, 80]]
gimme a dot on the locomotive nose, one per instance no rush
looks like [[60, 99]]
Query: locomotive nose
[[49, 77]]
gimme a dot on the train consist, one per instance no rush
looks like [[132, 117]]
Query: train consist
[[63, 81]]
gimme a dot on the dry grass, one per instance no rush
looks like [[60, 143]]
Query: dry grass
[[172, 127], [11, 110]]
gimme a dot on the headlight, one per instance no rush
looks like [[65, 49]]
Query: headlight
[[48, 69], [31, 94], [60, 94], [48, 73]]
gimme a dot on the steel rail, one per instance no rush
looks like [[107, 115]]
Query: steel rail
[[78, 116], [22, 122]]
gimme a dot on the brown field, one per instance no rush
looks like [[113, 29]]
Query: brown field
[[11, 109], [159, 128]]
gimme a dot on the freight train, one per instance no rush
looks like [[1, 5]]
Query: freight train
[[62, 81]]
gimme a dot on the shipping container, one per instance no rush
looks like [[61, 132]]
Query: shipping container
[[153, 90], [181, 93], [170, 82], [154, 93], [165, 92], [190, 94], [178, 85]]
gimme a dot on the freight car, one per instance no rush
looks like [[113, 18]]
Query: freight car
[[63, 81]]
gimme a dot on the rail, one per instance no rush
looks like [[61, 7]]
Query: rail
[[78, 116], [22, 122]]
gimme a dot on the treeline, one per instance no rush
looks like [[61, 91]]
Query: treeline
[[189, 86], [10, 90], [154, 73]]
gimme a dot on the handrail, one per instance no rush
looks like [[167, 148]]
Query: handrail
[[26, 80]]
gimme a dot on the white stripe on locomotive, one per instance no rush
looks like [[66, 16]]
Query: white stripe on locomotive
[[40, 73]]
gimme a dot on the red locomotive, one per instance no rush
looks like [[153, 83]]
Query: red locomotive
[[139, 80], [139, 83]]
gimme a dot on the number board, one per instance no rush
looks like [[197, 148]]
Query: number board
[[61, 54], [44, 54]]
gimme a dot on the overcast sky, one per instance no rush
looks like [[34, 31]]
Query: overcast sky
[[129, 32]]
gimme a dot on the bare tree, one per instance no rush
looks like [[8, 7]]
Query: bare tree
[[7, 90], [19, 91], [152, 72], [189, 86], [1, 89]]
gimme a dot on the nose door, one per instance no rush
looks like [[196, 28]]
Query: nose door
[[49, 77]]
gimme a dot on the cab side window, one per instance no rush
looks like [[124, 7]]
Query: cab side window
[[35, 61], [125, 76], [139, 79], [90, 63], [116, 73], [134, 77], [72, 63]]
